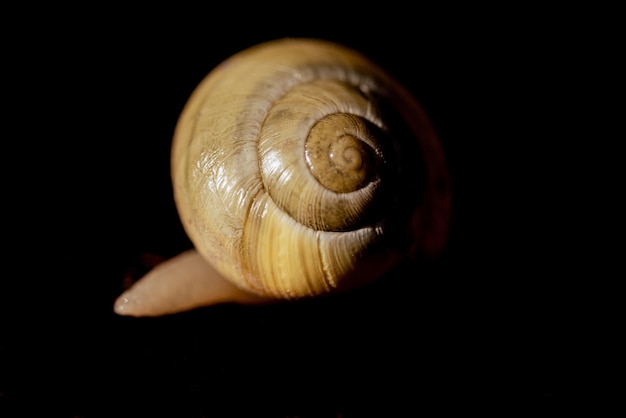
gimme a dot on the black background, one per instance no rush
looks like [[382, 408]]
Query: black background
[[505, 320]]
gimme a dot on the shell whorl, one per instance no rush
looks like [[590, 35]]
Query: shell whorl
[[299, 167]]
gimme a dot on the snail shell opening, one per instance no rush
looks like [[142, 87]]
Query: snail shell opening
[[300, 167]]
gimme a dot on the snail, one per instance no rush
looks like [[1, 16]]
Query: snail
[[300, 168]]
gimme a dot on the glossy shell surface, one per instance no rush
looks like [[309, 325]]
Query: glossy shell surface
[[300, 167]]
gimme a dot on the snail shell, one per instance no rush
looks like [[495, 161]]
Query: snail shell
[[300, 167]]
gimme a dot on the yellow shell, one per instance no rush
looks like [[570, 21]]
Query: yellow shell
[[300, 167]]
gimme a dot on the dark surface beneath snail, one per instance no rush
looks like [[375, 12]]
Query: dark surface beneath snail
[[485, 326]]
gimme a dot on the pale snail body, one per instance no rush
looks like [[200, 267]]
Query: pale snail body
[[300, 168]]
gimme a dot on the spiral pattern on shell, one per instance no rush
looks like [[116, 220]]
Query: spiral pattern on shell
[[300, 167]]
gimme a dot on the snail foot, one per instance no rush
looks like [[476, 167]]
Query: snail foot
[[179, 284]]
